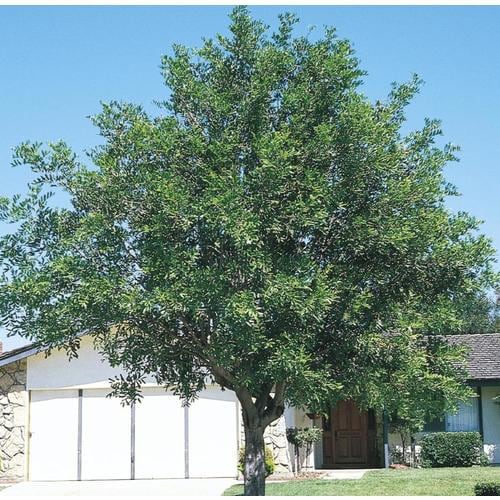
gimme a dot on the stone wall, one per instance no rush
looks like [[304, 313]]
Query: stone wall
[[275, 437], [13, 407]]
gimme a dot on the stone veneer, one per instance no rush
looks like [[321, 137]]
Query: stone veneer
[[13, 406], [275, 438]]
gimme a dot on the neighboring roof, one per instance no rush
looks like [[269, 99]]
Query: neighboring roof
[[483, 360]]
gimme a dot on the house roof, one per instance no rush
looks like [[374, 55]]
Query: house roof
[[19, 353], [483, 360]]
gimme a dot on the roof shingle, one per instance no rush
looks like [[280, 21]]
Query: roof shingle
[[483, 360]]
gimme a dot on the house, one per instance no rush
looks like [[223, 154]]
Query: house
[[56, 422]]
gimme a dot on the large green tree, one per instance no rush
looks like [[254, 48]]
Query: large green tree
[[476, 312], [271, 230]]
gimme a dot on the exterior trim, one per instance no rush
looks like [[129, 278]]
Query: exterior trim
[[480, 411], [27, 439], [238, 433], [385, 426], [29, 350], [186, 442], [79, 438], [17, 354], [484, 382], [132, 440]]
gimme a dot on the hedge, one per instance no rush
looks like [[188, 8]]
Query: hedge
[[452, 449], [489, 489]]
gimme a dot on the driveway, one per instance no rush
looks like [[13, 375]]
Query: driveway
[[139, 487]]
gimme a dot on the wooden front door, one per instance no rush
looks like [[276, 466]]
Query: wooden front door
[[345, 436]]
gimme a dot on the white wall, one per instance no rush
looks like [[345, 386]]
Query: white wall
[[491, 422], [89, 370], [295, 417]]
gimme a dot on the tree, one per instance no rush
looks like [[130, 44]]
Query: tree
[[478, 312], [270, 230]]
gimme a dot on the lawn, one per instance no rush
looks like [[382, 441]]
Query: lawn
[[446, 481]]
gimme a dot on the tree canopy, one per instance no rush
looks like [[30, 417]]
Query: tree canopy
[[271, 230]]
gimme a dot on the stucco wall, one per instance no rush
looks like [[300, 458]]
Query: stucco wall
[[13, 414], [315, 458], [89, 370]]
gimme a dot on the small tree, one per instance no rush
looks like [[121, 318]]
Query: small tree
[[302, 438], [406, 429], [267, 232]]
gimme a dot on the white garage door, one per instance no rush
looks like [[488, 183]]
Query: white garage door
[[212, 435], [159, 436], [106, 431], [53, 447], [158, 439]]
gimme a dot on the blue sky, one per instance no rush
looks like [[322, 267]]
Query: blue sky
[[58, 63]]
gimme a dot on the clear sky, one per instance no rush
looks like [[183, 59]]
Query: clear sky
[[58, 63]]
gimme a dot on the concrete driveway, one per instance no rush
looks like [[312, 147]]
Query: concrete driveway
[[139, 487]]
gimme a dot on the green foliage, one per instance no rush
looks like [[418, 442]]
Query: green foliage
[[397, 455], [303, 436], [405, 427], [477, 312], [270, 230], [487, 489], [452, 449], [269, 463]]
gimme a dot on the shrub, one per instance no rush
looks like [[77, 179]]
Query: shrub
[[269, 464], [487, 489], [452, 449], [397, 455], [302, 437]]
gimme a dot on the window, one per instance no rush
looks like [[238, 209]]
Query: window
[[466, 419]]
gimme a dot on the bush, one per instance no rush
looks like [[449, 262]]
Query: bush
[[397, 455], [487, 489], [304, 437], [269, 464], [452, 449]]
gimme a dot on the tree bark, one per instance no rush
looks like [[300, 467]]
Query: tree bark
[[254, 469], [258, 412]]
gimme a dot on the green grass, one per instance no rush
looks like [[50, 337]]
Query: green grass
[[446, 481]]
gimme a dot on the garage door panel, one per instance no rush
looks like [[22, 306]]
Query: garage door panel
[[106, 436], [212, 435], [53, 446], [159, 436]]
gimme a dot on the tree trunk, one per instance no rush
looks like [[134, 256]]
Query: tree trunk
[[258, 412], [254, 469], [413, 452], [403, 445]]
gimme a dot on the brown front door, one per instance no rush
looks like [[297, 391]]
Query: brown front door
[[345, 437]]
